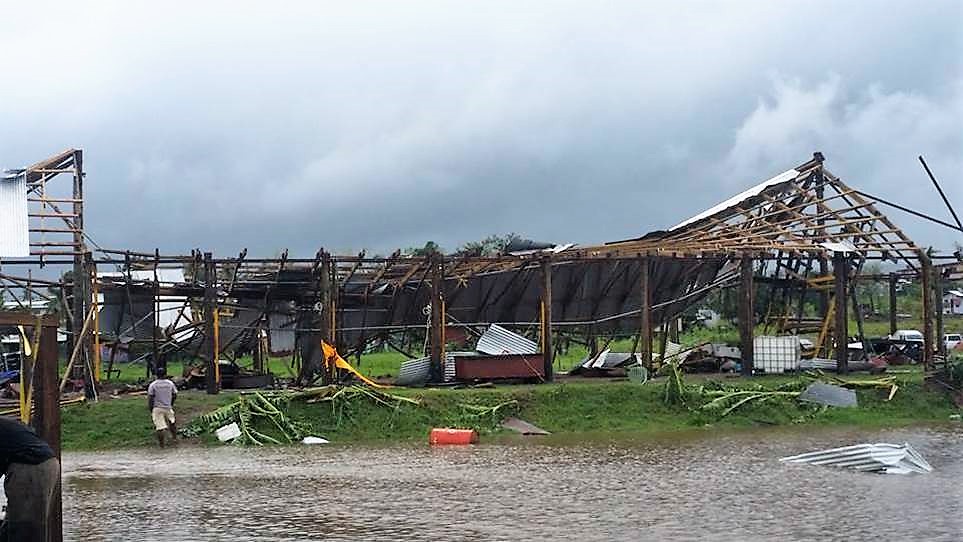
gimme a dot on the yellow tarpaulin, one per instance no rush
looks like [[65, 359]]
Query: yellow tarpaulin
[[331, 356]]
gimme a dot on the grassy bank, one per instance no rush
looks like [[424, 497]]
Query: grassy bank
[[568, 408]]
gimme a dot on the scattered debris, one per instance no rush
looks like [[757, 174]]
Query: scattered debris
[[414, 372], [638, 374], [499, 355], [829, 394], [881, 457], [315, 440], [261, 417], [776, 355], [603, 362], [440, 436], [228, 432], [523, 427], [876, 365], [497, 341]]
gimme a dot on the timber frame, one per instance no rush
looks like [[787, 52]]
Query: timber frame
[[800, 234]]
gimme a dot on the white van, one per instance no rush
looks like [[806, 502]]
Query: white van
[[951, 340]]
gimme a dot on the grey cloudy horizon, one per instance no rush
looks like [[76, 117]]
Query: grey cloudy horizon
[[383, 125]]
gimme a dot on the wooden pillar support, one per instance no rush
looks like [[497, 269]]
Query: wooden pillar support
[[210, 326], [46, 401], [94, 300], [437, 339], [926, 275], [327, 321], [938, 305], [841, 318], [548, 348], [81, 282], [892, 303], [646, 315], [746, 315]]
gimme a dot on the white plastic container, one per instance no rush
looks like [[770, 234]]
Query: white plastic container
[[229, 432], [776, 355]]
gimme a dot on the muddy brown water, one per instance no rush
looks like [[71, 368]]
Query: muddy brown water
[[704, 486]]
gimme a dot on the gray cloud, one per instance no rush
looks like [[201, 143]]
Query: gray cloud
[[382, 126]]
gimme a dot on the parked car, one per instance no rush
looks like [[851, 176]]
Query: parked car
[[952, 340], [907, 335]]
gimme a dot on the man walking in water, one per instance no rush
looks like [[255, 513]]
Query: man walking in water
[[32, 478], [161, 395]]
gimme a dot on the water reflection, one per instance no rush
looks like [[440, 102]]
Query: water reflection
[[684, 487]]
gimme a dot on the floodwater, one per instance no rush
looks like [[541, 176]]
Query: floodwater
[[703, 486]]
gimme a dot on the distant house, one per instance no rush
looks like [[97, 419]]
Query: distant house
[[953, 302]]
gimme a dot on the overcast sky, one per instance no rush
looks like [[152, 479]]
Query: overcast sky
[[375, 125]]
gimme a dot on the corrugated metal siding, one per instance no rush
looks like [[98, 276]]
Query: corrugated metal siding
[[14, 228], [497, 340], [281, 323], [414, 372]]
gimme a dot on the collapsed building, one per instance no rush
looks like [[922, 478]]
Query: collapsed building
[[802, 236]]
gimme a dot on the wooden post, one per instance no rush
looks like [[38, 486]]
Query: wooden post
[[746, 315], [330, 373], [858, 316], [938, 305], [46, 421], [95, 303], [926, 274], [210, 327], [80, 280], [334, 293], [437, 263], [841, 275], [646, 314], [155, 321], [548, 350], [257, 353], [892, 303]]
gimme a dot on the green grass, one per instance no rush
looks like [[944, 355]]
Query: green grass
[[572, 408], [125, 422]]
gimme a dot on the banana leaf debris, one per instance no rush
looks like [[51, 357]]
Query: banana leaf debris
[[261, 417], [815, 387]]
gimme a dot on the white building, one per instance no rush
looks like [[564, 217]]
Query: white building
[[953, 302]]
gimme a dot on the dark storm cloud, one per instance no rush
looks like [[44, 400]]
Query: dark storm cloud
[[225, 127]]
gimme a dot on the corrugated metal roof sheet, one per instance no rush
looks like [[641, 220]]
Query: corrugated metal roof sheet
[[783, 177], [14, 228], [414, 372], [880, 457], [497, 340]]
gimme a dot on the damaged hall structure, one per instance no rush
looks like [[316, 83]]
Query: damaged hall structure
[[804, 235]]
